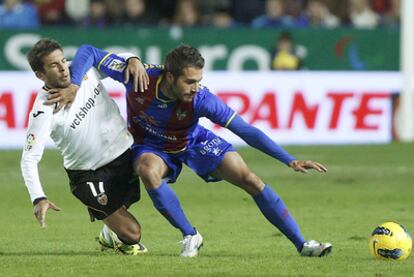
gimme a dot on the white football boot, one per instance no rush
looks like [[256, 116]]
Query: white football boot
[[191, 245], [312, 248]]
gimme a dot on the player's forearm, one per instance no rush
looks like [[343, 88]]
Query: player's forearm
[[86, 57], [89, 56], [259, 140], [31, 178]]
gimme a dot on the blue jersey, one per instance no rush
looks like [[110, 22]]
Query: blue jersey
[[169, 125], [159, 122]]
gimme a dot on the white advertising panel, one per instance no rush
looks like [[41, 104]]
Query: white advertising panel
[[311, 107], [292, 107]]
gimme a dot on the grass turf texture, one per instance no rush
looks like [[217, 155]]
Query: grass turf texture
[[365, 186]]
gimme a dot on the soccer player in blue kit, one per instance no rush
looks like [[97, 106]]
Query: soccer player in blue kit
[[164, 123]]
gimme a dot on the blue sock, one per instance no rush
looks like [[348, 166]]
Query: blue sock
[[277, 213], [166, 202]]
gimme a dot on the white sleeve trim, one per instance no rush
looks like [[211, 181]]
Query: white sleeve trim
[[127, 56]]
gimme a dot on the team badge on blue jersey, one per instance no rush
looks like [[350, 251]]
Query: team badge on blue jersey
[[181, 114], [140, 100]]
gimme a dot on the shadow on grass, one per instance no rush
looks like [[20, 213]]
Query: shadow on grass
[[358, 238], [80, 253], [57, 253]]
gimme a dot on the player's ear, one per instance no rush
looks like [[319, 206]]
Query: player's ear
[[40, 75], [169, 77]]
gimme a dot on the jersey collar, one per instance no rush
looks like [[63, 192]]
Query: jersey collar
[[158, 92]]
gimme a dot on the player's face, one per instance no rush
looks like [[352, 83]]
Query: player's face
[[55, 70], [185, 86]]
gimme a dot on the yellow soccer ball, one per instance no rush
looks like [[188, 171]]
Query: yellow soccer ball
[[390, 241]]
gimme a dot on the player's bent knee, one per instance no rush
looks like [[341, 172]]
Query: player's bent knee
[[125, 226], [130, 235], [133, 237], [252, 183], [150, 176]]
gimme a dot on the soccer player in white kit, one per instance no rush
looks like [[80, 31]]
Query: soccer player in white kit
[[94, 142]]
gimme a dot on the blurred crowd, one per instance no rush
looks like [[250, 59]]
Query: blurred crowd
[[366, 14]]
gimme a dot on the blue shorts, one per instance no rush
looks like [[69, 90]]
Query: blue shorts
[[203, 156]]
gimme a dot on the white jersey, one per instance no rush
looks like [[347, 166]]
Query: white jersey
[[89, 135]]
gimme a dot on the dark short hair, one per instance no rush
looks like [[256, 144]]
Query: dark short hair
[[182, 57], [43, 47]]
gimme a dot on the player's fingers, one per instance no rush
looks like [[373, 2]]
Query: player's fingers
[[53, 93], [39, 219], [53, 101], [324, 168], [58, 107], [126, 76], [38, 216], [137, 81], [301, 169], [321, 167], [317, 168], [68, 105], [314, 165], [54, 207], [142, 83], [310, 165], [146, 80], [42, 219]]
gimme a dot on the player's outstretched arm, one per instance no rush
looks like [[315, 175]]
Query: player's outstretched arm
[[40, 210], [112, 65], [303, 166], [217, 111], [259, 140]]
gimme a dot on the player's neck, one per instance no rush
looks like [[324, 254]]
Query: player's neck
[[47, 87], [165, 89]]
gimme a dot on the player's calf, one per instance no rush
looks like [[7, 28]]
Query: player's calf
[[125, 226]]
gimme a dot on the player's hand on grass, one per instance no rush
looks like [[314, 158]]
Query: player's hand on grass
[[303, 166], [62, 97], [40, 210], [137, 72]]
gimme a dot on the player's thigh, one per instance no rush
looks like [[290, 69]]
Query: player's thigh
[[234, 170]]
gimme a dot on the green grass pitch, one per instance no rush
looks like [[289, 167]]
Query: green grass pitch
[[365, 186]]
